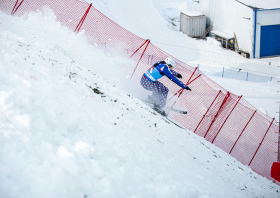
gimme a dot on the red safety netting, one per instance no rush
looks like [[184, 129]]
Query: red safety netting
[[222, 118]]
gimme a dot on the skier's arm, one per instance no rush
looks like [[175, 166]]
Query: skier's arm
[[171, 77], [176, 74]]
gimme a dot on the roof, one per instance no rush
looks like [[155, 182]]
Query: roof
[[222, 34], [193, 13], [261, 4]]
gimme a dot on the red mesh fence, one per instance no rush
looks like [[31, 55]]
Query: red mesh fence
[[222, 118]]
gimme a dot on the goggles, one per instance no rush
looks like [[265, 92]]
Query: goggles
[[169, 65]]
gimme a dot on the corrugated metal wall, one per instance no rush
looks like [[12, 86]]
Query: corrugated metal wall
[[193, 26], [230, 16]]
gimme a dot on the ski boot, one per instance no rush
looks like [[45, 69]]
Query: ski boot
[[159, 109]]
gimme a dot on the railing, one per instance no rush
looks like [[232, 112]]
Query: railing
[[239, 74], [226, 120]]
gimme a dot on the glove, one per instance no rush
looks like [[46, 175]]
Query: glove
[[179, 76], [187, 88]]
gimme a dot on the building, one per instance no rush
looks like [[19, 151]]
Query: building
[[192, 23], [256, 30]]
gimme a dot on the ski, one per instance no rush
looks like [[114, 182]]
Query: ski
[[150, 104], [177, 110], [160, 112], [169, 108]]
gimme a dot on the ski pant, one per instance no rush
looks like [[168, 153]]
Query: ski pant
[[160, 92]]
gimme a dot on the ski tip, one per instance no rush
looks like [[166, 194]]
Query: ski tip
[[177, 110]]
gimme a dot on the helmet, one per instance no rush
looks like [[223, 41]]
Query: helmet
[[170, 62]]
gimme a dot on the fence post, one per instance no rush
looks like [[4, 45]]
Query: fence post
[[191, 75], [82, 20], [224, 101], [152, 59], [181, 90], [261, 142], [140, 47], [141, 56], [242, 131], [207, 111], [226, 119], [194, 79], [16, 7], [247, 76], [223, 72]]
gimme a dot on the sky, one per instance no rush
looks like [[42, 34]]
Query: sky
[[69, 128]]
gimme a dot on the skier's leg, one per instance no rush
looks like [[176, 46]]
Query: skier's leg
[[148, 85], [161, 92]]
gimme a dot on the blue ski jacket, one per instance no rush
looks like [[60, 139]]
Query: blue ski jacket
[[158, 70]]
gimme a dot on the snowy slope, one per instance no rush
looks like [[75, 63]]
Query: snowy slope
[[70, 128], [141, 18], [147, 19]]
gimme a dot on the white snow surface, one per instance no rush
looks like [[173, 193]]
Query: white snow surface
[[193, 13], [59, 138]]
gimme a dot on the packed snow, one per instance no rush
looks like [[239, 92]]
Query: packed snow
[[70, 125]]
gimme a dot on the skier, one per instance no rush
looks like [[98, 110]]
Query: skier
[[150, 82]]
